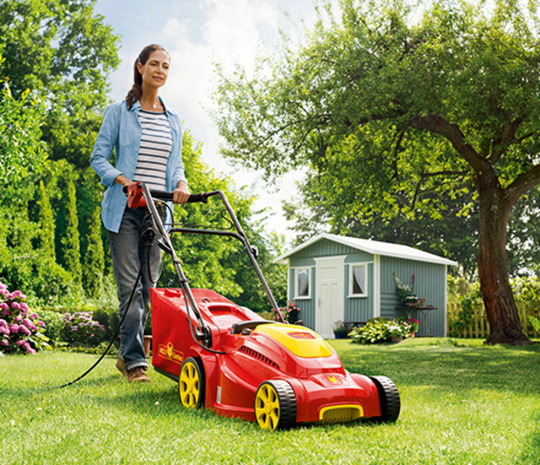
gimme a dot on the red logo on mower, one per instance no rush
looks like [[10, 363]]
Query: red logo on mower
[[301, 335], [168, 352]]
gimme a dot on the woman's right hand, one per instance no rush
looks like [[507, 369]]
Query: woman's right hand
[[122, 180]]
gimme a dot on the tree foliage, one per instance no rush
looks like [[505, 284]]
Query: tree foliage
[[402, 114], [20, 148], [61, 52]]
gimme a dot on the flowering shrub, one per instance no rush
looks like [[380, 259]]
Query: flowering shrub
[[414, 324], [20, 330], [291, 313], [380, 330], [80, 329]]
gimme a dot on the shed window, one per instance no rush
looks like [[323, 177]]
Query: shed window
[[303, 283], [358, 280]]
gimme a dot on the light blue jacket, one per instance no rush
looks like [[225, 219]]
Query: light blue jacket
[[121, 132]]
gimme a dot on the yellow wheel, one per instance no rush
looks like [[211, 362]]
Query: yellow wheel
[[191, 383], [275, 405]]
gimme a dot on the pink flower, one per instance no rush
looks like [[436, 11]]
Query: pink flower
[[14, 328], [30, 350], [4, 342], [29, 324], [40, 323], [4, 306], [24, 330]]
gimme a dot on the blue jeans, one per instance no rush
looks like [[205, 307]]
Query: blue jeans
[[127, 255]]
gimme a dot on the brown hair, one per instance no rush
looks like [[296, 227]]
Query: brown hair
[[134, 95]]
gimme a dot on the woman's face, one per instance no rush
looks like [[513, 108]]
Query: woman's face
[[156, 69]]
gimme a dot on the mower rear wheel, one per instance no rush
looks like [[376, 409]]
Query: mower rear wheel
[[275, 405], [389, 399], [191, 383]]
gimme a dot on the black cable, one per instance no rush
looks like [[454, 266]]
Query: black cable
[[147, 249], [193, 335]]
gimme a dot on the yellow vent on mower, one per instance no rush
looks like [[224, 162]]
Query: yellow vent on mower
[[340, 413]]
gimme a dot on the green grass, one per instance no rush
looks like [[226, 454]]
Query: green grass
[[461, 403]]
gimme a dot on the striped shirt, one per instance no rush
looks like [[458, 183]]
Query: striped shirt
[[156, 145]]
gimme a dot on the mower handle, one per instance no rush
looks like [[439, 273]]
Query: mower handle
[[168, 196], [134, 192]]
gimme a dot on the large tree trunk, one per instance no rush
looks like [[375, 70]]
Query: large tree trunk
[[501, 309]]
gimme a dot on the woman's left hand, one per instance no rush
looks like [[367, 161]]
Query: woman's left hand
[[181, 194]]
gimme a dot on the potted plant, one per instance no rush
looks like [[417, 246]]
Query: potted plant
[[340, 330], [406, 294], [413, 326], [397, 331]]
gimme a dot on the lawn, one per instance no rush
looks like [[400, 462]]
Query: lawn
[[461, 403]]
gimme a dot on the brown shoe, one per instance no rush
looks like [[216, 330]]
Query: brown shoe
[[138, 375], [121, 366]]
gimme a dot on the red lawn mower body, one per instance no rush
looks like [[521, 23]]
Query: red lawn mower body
[[255, 352]]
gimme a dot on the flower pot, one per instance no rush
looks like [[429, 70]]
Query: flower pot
[[147, 344], [395, 339], [412, 333]]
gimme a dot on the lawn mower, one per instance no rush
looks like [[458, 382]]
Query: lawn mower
[[224, 357]]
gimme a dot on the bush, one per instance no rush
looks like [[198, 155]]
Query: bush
[[54, 322], [44, 281], [20, 330], [380, 330], [79, 328]]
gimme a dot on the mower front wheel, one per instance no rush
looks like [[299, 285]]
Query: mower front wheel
[[388, 398], [275, 405], [191, 383]]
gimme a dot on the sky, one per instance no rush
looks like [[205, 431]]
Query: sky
[[198, 34]]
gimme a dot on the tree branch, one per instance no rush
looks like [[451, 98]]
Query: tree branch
[[508, 137], [523, 184], [438, 125]]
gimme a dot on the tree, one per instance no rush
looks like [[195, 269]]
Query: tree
[[20, 148], [46, 220], [394, 105], [70, 253], [61, 52], [93, 258]]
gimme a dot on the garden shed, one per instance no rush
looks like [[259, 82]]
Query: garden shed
[[337, 278]]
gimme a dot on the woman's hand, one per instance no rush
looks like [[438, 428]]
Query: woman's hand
[[181, 193]]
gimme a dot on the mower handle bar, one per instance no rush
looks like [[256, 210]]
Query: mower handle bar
[[168, 196]]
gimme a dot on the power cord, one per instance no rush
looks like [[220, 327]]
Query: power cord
[[98, 361]]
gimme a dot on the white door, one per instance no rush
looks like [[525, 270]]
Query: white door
[[330, 294]]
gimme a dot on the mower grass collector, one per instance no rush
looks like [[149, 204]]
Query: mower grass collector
[[225, 358]]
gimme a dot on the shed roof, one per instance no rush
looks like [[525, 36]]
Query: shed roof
[[373, 247]]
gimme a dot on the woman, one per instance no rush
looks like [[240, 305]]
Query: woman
[[146, 137]]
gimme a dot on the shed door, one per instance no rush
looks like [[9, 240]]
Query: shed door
[[330, 294]]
